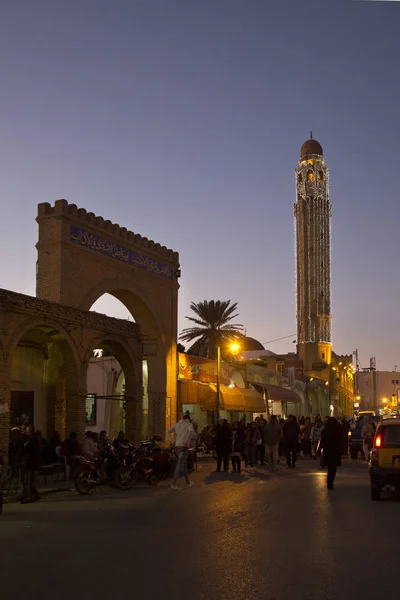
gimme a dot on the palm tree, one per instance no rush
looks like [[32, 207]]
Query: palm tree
[[214, 327]]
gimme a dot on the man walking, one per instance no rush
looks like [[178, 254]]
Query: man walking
[[183, 434], [367, 434], [272, 436], [291, 432]]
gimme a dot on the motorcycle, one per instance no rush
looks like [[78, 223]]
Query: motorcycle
[[90, 473], [146, 467]]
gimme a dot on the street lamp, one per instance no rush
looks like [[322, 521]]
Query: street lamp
[[234, 347]]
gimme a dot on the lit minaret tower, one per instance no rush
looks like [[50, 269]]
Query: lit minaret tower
[[312, 212]]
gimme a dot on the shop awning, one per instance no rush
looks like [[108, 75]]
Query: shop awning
[[231, 398], [253, 400], [196, 392], [276, 392]]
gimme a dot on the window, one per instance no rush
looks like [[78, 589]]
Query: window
[[320, 176], [310, 176], [91, 406], [390, 436], [300, 178]]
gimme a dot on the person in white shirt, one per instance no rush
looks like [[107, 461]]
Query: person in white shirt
[[183, 434], [90, 449]]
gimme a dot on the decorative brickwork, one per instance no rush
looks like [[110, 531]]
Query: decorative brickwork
[[71, 335], [82, 256]]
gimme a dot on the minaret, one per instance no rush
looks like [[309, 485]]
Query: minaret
[[312, 212]]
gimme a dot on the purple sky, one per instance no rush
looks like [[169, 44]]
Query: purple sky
[[183, 120]]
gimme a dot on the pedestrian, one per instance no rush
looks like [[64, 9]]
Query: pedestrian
[[331, 444], [291, 432], [31, 460], [252, 437], [345, 436], [367, 434], [237, 447], [272, 437], [260, 444], [281, 446], [315, 436], [183, 432], [223, 441], [306, 437]]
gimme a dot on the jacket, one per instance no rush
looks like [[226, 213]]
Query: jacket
[[331, 443], [316, 432], [272, 433], [291, 432], [183, 433], [367, 431], [223, 438]]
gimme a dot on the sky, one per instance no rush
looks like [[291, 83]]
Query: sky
[[183, 120]]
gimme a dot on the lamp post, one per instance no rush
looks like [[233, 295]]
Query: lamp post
[[234, 348]]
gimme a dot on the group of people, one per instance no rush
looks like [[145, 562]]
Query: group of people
[[29, 451], [265, 442]]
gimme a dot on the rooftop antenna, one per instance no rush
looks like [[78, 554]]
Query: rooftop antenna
[[311, 137]]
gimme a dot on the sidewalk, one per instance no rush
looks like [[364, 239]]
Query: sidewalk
[[205, 462], [44, 489]]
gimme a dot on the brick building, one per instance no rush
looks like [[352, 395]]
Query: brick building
[[46, 342]]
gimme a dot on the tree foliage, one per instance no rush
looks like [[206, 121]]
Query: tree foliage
[[212, 328]]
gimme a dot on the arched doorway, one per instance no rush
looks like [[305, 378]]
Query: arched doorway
[[44, 379], [81, 257], [113, 377]]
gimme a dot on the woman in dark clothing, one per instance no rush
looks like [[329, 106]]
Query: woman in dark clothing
[[291, 431], [331, 445], [223, 442]]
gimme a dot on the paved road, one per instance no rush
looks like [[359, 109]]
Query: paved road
[[281, 537]]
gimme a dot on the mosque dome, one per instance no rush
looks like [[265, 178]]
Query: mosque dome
[[309, 148], [250, 344]]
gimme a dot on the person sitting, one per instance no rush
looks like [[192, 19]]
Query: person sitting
[[102, 442], [90, 449]]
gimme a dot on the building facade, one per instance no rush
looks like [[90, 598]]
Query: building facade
[[378, 390]]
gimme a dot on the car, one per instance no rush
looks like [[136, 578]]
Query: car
[[384, 466], [355, 439]]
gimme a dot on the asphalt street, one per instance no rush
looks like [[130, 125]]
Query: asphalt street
[[278, 536]]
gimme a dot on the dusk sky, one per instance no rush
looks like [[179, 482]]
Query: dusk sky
[[183, 121]]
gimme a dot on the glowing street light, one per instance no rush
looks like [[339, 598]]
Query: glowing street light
[[234, 347]]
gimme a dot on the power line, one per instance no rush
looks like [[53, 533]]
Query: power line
[[285, 337]]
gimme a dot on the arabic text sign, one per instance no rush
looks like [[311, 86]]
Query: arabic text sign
[[103, 246]]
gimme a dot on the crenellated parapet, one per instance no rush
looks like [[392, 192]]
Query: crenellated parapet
[[106, 228]]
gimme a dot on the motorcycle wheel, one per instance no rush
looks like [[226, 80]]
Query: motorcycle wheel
[[124, 478], [82, 484]]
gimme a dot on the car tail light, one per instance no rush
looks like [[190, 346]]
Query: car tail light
[[378, 441]]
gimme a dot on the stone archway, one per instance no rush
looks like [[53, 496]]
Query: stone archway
[[43, 366], [82, 257], [130, 362]]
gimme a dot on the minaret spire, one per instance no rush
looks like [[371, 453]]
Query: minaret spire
[[312, 212]]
